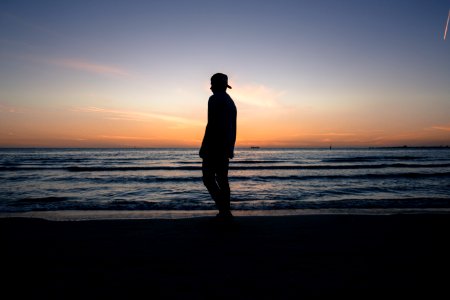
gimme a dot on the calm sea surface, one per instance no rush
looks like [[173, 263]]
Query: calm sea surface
[[260, 179]]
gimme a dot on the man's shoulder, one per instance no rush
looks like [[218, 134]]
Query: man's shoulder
[[230, 101], [228, 96], [219, 97], [212, 99], [223, 98]]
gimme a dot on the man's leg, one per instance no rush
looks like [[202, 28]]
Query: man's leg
[[215, 178], [209, 180], [224, 186]]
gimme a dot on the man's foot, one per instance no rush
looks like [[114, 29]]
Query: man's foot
[[224, 215]]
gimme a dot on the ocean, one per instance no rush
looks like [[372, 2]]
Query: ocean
[[260, 179]]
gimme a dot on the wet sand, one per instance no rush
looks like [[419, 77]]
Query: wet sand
[[278, 257]]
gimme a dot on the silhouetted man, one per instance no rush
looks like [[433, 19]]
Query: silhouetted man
[[218, 144]]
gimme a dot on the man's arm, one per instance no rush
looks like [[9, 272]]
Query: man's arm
[[234, 130], [206, 143]]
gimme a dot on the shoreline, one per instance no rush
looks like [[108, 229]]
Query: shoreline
[[92, 215]]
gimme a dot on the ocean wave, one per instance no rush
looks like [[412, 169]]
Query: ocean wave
[[243, 162], [236, 166], [41, 200], [373, 158], [265, 167], [171, 180], [361, 176], [260, 178], [194, 204], [232, 167], [347, 204]]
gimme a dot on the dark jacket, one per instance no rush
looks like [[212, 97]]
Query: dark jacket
[[220, 133]]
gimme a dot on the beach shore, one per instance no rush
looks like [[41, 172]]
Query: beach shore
[[254, 257]]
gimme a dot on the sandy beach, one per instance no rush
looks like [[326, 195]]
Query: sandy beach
[[255, 257]]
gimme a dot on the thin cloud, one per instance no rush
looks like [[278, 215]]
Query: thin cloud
[[125, 115], [90, 67], [258, 95], [325, 134], [5, 108], [442, 128], [121, 137], [335, 134]]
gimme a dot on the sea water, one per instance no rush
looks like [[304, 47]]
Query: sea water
[[260, 179]]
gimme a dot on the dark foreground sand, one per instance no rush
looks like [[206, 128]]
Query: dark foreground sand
[[292, 257]]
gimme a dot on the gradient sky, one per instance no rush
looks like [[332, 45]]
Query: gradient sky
[[304, 73]]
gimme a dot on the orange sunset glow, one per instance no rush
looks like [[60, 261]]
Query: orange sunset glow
[[298, 81]]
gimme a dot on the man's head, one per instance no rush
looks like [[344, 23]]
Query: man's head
[[219, 82]]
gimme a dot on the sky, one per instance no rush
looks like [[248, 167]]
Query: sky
[[309, 73]]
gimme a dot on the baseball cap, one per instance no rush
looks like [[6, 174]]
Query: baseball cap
[[220, 79]]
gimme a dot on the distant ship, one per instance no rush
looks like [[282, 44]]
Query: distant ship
[[254, 147]]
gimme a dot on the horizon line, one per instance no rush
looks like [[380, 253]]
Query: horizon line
[[237, 148]]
